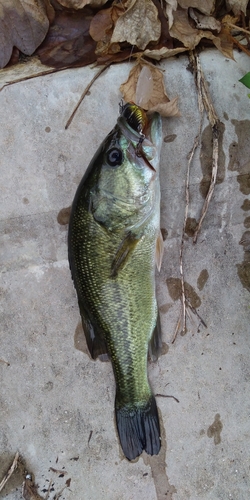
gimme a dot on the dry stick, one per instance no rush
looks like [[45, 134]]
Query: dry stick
[[24, 78], [59, 494], [10, 471], [238, 28], [177, 328], [214, 122], [183, 297], [190, 158], [85, 92], [48, 492], [194, 311], [5, 362]]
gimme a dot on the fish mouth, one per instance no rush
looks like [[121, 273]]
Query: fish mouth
[[141, 142]]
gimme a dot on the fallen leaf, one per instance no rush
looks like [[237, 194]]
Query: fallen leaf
[[238, 6], [224, 44], [204, 22], [139, 25], [246, 80], [114, 57], [23, 24], [206, 6], [79, 4], [101, 24], [101, 29], [162, 53], [167, 109], [68, 42], [170, 7], [158, 99], [190, 37], [183, 31]]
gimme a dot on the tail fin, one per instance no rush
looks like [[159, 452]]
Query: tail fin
[[138, 428]]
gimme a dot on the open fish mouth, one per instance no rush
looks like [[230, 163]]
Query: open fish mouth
[[136, 126]]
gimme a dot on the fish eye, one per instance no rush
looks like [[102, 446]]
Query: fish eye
[[114, 157]]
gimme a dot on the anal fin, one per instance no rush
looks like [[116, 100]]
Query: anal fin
[[94, 336], [155, 343]]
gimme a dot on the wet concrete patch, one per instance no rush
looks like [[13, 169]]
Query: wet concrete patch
[[164, 490], [239, 152], [170, 138], [63, 216], [214, 430], [191, 226], [246, 205], [164, 233], [244, 182], [174, 290], [202, 279], [244, 274], [247, 222]]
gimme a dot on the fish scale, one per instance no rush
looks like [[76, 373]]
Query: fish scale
[[113, 229]]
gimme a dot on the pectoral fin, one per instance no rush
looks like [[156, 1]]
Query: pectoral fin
[[124, 251], [159, 251], [94, 336], [155, 343]]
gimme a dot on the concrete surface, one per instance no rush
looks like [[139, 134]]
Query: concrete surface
[[57, 404]]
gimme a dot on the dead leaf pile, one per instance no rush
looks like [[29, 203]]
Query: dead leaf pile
[[70, 33]]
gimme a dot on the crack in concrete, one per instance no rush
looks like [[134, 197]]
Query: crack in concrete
[[164, 490]]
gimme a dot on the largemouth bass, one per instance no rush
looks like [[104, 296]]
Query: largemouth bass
[[114, 243]]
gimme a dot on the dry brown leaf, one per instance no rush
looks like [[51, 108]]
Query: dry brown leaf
[[101, 24], [190, 37], [170, 7], [23, 24], [139, 25], [158, 100], [237, 6], [101, 29], [79, 4], [68, 42], [163, 53], [204, 6], [167, 109], [183, 31], [204, 22], [224, 44]]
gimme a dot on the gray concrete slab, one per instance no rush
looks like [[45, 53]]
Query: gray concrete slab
[[57, 404]]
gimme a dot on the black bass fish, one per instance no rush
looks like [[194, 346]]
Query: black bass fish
[[114, 243]]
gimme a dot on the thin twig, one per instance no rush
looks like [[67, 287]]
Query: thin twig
[[57, 496], [238, 28], [194, 311], [167, 396], [85, 92], [214, 122], [24, 78], [177, 328], [10, 471], [5, 362], [183, 297], [48, 492], [238, 44]]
